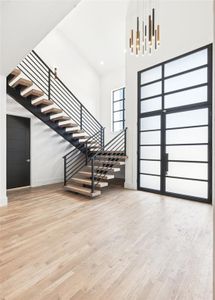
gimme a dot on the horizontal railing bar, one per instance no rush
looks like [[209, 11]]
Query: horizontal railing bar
[[67, 89], [30, 76]]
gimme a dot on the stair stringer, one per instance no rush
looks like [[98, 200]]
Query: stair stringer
[[45, 118]]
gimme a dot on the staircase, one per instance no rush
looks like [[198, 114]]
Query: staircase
[[88, 174], [89, 166]]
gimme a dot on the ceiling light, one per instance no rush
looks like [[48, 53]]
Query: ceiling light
[[146, 35], [101, 63]]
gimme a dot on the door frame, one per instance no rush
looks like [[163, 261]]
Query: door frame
[[29, 118], [163, 125]]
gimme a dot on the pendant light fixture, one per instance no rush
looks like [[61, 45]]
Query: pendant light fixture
[[145, 37]]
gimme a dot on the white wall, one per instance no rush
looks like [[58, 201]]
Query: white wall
[[47, 148], [3, 197], [26, 23], [185, 26], [109, 82], [58, 51]]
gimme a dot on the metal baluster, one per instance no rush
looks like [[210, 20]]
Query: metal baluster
[[92, 173], [49, 84]]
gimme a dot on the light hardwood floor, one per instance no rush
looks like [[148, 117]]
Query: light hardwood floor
[[123, 245]]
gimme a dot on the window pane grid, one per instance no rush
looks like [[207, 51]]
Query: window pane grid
[[118, 110], [183, 102]]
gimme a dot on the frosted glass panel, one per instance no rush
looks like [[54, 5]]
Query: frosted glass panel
[[150, 182], [151, 90], [187, 187], [186, 63], [151, 75], [118, 116], [188, 170], [195, 95], [149, 123], [118, 94], [118, 126], [150, 152], [188, 118], [186, 80], [199, 153], [151, 167], [151, 105], [150, 137], [118, 105], [187, 136]]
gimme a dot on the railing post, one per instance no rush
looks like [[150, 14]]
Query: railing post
[[86, 153], [125, 141], [81, 116], [65, 171], [92, 173], [49, 84]]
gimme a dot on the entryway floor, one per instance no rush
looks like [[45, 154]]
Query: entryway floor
[[123, 245]]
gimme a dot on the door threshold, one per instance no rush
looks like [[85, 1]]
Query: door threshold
[[19, 188]]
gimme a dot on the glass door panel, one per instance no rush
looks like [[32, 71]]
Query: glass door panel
[[191, 96], [175, 125], [192, 188], [190, 153]]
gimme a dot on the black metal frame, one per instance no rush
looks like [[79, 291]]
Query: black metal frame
[[76, 160], [163, 112], [123, 109], [46, 80]]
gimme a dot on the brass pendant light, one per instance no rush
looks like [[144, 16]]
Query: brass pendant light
[[146, 36]]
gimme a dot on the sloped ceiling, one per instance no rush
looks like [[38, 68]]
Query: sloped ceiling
[[98, 30], [24, 23]]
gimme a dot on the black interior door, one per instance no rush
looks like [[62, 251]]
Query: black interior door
[[18, 152]]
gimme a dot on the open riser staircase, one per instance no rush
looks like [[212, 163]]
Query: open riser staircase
[[91, 172], [37, 88]]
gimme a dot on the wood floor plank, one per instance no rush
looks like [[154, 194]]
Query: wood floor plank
[[123, 245]]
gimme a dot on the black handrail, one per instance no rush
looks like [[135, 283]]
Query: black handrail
[[45, 79]]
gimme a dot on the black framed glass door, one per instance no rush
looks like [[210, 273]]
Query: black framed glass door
[[175, 127]]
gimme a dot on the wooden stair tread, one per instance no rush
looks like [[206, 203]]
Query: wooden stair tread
[[103, 176], [67, 123], [82, 190], [110, 162], [32, 92], [59, 117], [110, 169], [89, 182], [70, 129], [113, 156], [79, 135], [16, 72], [20, 81], [41, 101], [51, 109], [73, 129]]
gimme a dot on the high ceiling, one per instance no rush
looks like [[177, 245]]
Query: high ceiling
[[97, 29]]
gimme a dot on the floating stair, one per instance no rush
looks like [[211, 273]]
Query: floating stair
[[89, 182], [51, 111], [96, 175], [82, 190]]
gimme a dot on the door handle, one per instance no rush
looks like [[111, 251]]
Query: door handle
[[166, 163], [28, 160]]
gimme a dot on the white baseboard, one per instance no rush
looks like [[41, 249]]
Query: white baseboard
[[46, 182], [130, 186], [3, 201]]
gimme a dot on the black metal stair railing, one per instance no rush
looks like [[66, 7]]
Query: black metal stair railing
[[47, 81], [75, 160], [106, 157]]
